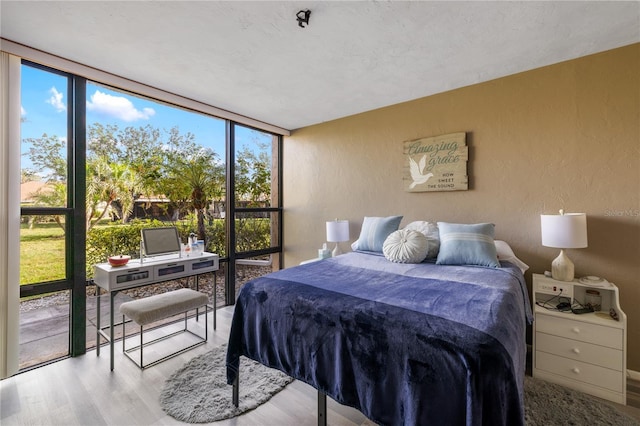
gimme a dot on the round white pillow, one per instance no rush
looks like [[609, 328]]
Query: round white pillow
[[405, 246]]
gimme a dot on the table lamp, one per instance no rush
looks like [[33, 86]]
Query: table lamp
[[563, 231], [337, 232]]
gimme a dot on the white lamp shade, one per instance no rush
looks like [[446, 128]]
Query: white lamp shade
[[338, 231], [564, 231]]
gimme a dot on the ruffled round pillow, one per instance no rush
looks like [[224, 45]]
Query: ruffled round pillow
[[405, 246]]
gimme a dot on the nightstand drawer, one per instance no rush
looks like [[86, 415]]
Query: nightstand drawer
[[580, 351], [576, 370], [577, 330]]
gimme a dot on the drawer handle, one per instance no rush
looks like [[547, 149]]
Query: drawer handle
[[576, 350], [576, 370], [576, 330]]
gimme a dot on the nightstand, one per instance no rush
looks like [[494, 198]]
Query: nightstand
[[586, 352]]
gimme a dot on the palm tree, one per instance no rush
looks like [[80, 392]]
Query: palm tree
[[107, 183], [201, 178], [54, 194]]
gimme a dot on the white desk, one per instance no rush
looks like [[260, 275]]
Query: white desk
[[151, 271]]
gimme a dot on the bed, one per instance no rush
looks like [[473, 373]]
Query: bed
[[403, 343]]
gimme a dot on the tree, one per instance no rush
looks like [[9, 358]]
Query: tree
[[107, 183], [48, 154], [135, 146], [116, 165], [191, 178], [253, 175], [123, 165], [48, 157], [28, 175], [53, 194]]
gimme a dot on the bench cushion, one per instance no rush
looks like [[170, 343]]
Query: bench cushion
[[153, 308]]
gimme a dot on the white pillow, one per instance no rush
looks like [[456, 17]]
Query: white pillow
[[429, 230], [505, 253], [405, 246]]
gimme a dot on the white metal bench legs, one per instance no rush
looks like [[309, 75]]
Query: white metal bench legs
[[155, 308]]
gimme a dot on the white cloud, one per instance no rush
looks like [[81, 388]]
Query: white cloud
[[23, 111], [56, 100], [118, 107]]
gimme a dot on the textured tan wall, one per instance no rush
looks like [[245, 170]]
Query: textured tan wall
[[564, 136]]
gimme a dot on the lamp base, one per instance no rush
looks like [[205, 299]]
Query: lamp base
[[336, 251], [562, 268]]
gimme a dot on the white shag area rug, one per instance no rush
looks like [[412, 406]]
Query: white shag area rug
[[198, 391], [550, 404]]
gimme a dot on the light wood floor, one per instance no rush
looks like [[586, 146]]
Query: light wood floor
[[82, 391]]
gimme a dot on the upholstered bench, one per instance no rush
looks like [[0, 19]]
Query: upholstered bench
[[161, 306]]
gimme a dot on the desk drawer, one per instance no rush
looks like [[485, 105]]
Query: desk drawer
[[203, 265], [577, 330], [186, 267], [122, 278], [580, 351], [170, 270]]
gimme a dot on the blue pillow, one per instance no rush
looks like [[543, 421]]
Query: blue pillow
[[462, 244], [375, 230]]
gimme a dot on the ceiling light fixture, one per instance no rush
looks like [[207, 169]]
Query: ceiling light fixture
[[303, 17]]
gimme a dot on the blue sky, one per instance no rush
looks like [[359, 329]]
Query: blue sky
[[45, 99]]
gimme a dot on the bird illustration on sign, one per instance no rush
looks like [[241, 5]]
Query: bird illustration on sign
[[417, 170]]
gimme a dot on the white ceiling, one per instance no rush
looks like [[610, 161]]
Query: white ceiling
[[253, 59]]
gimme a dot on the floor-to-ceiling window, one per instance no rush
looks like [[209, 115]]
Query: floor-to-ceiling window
[[255, 233], [52, 204], [150, 163], [142, 162]]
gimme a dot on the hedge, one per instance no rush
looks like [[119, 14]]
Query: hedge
[[105, 241]]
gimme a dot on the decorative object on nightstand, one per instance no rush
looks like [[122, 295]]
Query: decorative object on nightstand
[[563, 231], [587, 352], [337, 232], [324, 252]]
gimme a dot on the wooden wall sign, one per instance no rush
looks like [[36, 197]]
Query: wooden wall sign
[[438, 163]]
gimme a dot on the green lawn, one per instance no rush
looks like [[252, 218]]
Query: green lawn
[[41, 253]]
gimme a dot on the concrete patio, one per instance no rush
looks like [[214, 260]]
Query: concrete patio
[[44, 328], [44, 331]]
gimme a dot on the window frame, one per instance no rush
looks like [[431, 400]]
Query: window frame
[[75, 211], [232, 210]]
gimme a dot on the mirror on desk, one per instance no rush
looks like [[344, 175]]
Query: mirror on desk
[[160, 241]]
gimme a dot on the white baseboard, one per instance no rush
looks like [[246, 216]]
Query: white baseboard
[[634, 375]]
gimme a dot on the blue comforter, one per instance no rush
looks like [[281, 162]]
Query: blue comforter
[[414, 344]]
